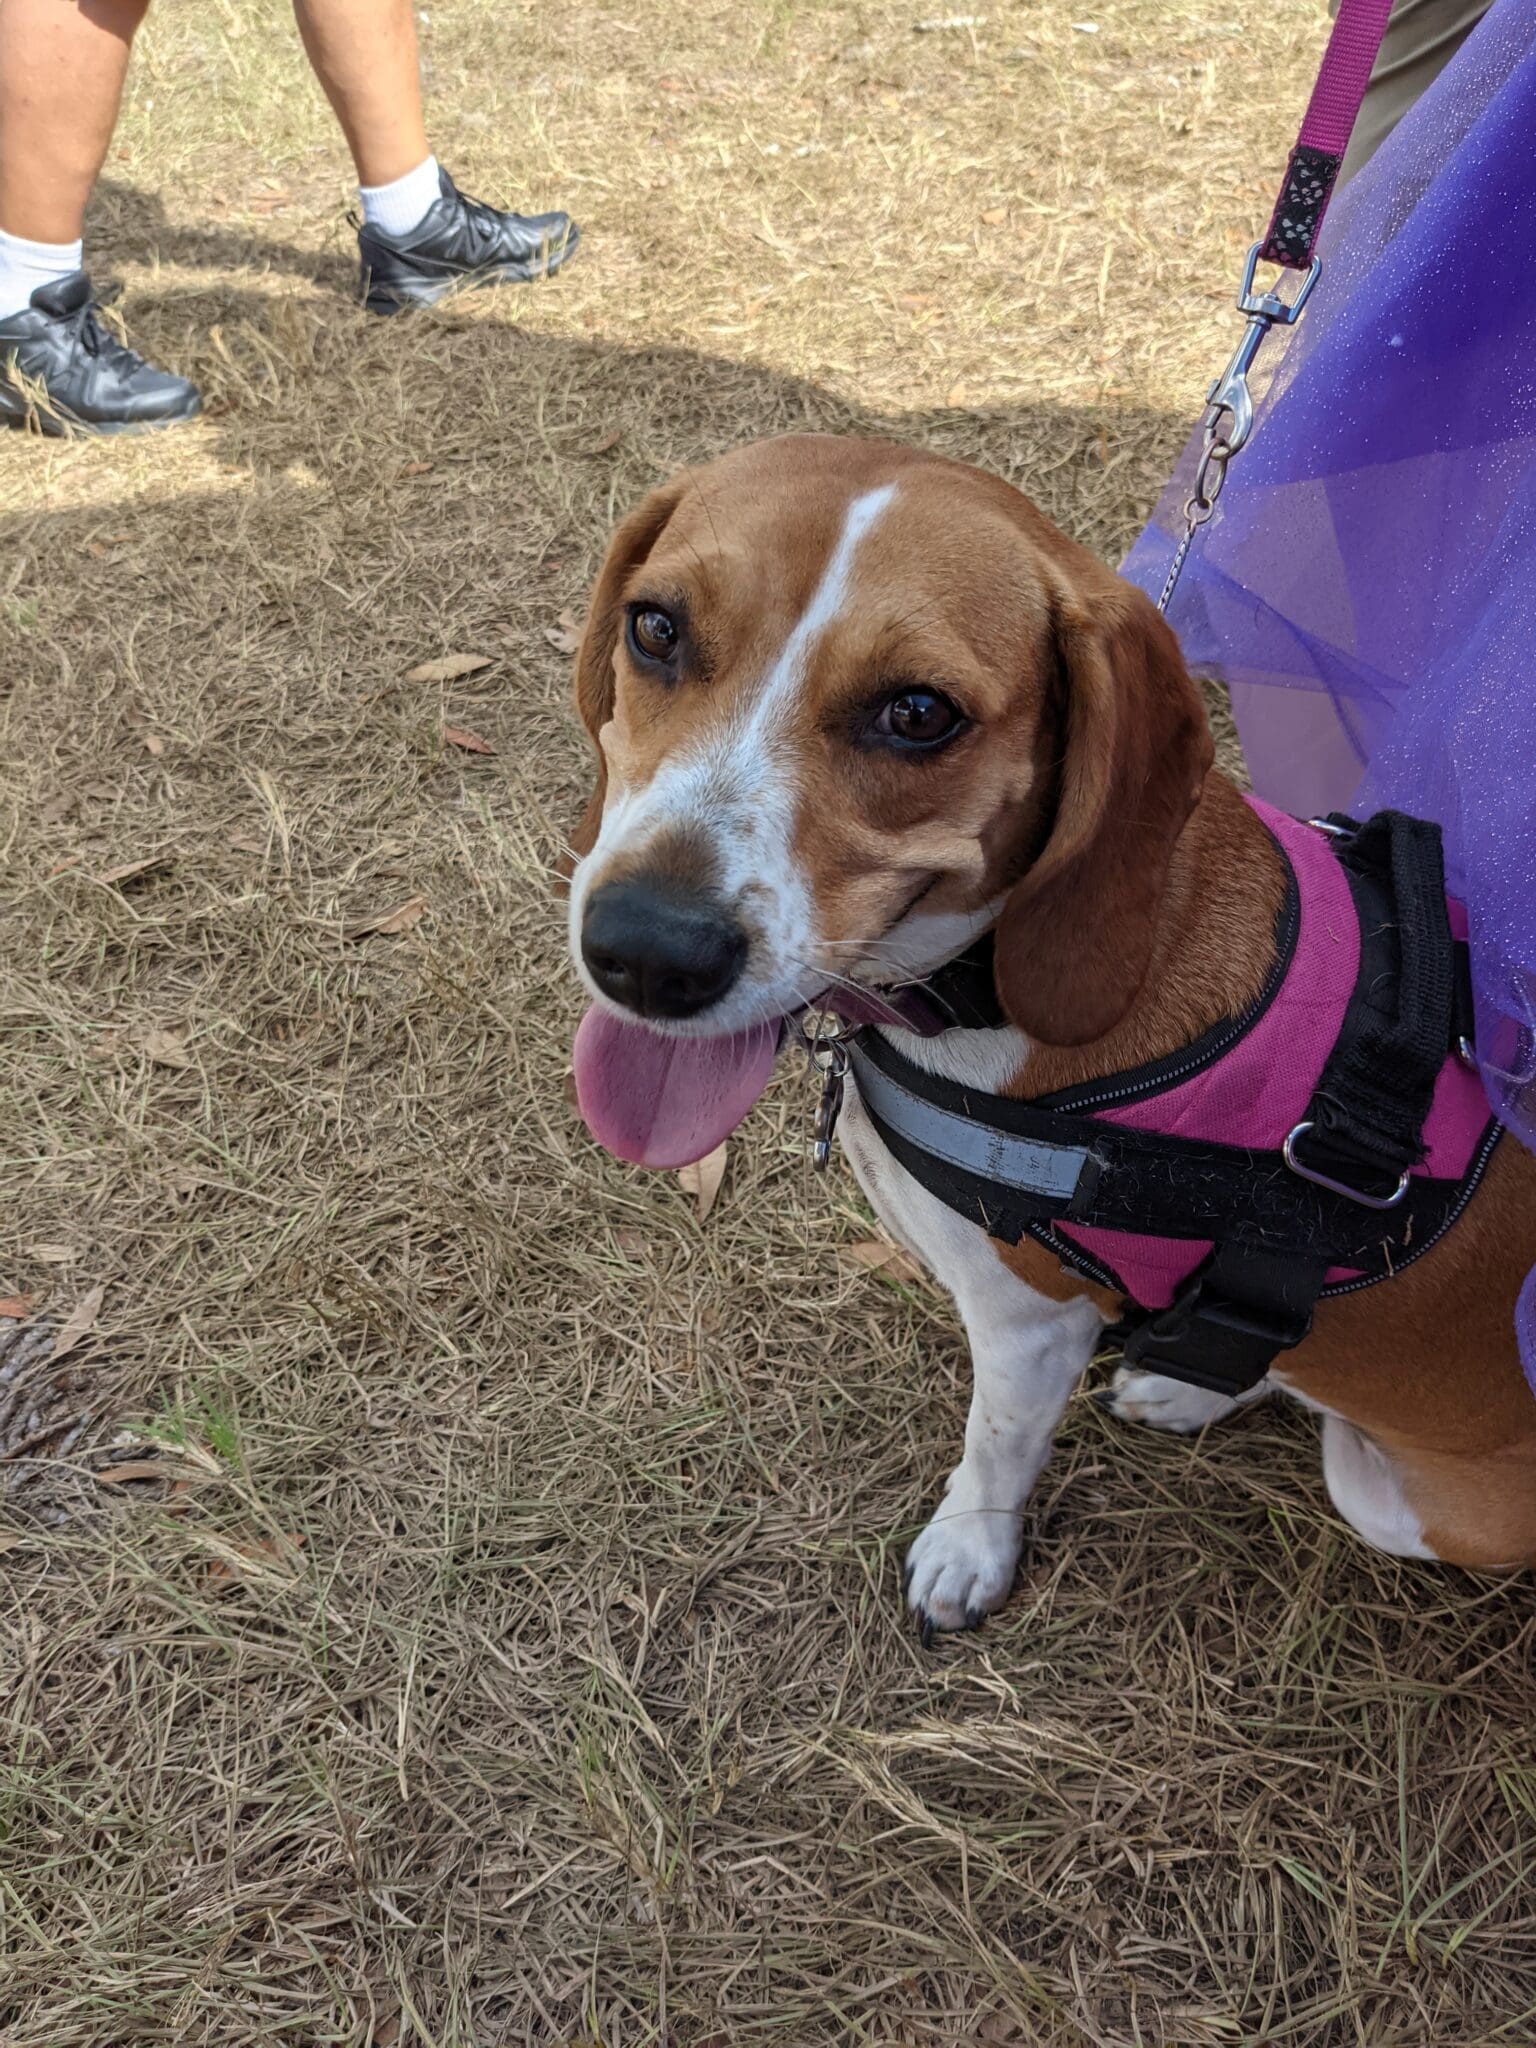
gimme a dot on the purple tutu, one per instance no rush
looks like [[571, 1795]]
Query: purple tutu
[[1367, 589]]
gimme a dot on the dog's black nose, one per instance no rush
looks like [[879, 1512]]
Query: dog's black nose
[[660, 949]]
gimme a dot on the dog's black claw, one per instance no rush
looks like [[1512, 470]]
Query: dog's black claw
[[974, 1617], [927, 1632], [1103, 1397]]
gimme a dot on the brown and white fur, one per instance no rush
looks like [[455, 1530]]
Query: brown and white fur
[[1133, 895]]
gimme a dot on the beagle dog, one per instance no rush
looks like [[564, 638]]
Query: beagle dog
[[855, 705]]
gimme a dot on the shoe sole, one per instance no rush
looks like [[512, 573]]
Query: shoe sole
[[60, 426], [405, 298]]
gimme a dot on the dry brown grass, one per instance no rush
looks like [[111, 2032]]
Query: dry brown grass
[[512, 1652]]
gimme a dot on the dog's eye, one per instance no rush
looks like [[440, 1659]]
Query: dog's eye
[[653, 632], [917, 718]]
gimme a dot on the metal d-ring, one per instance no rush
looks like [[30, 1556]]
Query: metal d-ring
[[1338, 1187]]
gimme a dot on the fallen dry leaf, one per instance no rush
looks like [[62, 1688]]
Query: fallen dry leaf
[[15, 1307], [415, 468], [154, 744], [135, 1468], [999, 2031], [130, 868], [471, 742], [447, 667], [60, 866], [565, 634], [165, 1048], [956, 395], [702, 1179], [608, 441], [994, 216], [79, 1324], [877, 1255], [53, 1254], [390, 923]]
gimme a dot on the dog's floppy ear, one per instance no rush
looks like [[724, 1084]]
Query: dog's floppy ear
[[631, 543], [1075, 939]]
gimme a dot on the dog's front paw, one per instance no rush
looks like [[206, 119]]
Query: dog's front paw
[[1174, 1405], [961, 1566]]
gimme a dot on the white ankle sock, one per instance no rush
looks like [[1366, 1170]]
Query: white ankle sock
[[403, 205], [26, 265]]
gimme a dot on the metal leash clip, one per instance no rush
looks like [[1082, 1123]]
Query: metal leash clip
[[825, 1036], [1229, 404]]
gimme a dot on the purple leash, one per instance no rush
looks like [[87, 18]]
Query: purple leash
[[1310, 175]]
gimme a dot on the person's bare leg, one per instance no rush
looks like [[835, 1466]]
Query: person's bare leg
[[420, 238], [364, 55], [62, 64]]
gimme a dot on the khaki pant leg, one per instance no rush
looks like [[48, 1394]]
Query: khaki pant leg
[[1421, 39]]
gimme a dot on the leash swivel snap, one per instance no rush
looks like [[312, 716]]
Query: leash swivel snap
[[826, 1042], [1229, 404], [1229, 397]]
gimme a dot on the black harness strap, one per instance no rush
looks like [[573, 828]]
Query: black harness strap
[[1366, 1121], [1007, 1165]]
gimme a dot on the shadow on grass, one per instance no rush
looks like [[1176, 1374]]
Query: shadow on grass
[[126, 224], [283, 372], [376, 485]]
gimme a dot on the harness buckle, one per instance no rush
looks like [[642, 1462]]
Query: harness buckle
[[1338, 1187], [1212, 1341]]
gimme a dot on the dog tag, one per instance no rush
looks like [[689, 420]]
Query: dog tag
[[823, 1034], [833, 1062]]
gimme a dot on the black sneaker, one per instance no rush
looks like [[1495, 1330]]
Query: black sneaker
[[460, 245], [63, 372]]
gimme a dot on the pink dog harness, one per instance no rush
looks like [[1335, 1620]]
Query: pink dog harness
[[1315, 1145]]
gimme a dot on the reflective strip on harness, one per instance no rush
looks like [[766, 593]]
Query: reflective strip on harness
[[1025, 1164]]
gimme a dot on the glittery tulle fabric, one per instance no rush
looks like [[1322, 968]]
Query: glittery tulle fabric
[[1367, 589]]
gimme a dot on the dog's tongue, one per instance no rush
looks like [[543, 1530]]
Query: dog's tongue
[[666, 1101]]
